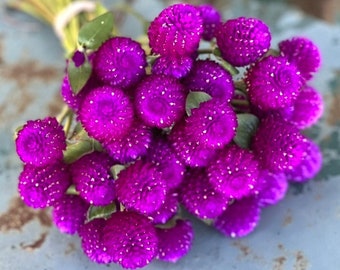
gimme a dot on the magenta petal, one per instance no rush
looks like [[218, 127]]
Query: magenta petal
[[167, 210], [211, 20], [176, 66]]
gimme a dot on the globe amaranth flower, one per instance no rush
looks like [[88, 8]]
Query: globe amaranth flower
[[176, 30], [160, 100], [92, 178], [199, 197], [106, 113], [130, 239], [309, 166], [167, 210], [175, 66], [132, 146], [41, 187], [69, 213], [141, 187], [273, 83], [240, 218], [243, 40], [234, 172], [303, 53], [213, 124], [211, 20], [210, 77], [41, 142], [120, 62], [278, 145], [175, 242]]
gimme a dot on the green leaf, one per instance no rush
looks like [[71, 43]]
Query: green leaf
[[247, 125], [94, 33], [100, 211], [116, 169], [78, 76], [194, 99]]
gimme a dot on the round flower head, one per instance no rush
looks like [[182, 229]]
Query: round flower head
[[131, 239], [160, 100], [213, 124], [41, 142], [141, 187], [132, 146], [120, 62], [199, 197], [167, 210], [91, 235], [69, 213], [175, 242], [240, 218], [309, 166], [211, 19], [243, 40], [92, 178], [210, 77], [234, 172], [303, 53], [175, 66], [41, 187], [176, 30], [273, 83], [106, 113], [278, 145]]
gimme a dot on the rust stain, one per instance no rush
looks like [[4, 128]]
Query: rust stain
[[243, 248], [288, 219], [1, 49], [334, 113], [70, 249], [301, 262], [18, 215], [36, 244], [55, 105], [279, 263]]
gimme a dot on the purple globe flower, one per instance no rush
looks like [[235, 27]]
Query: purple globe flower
[[243, 40], [41, 142], [130, 239], [160, 100], [213, 124], [41, 187], [211, 20], [167, 210], [78, 58], [303, 53], [92, 178], [240, 218], [175, 66], [278, 145], [199, 197], [106, 113], [120, 62], [234, 172], [273, 83], [175, 242], [176, 30], [141, 187], [210, 77], [69, 213]]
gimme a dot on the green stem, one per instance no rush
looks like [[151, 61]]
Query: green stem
[[240, 102]]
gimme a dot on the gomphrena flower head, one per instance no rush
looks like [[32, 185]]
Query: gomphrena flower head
[[92, 178], [41, 187], [141, 187], [176, 30], [303, 53], [309, 166], [69, 213], [131, 239], [213, 124], [210, 77], [199, 197], [131, 146], [41, 142], [240, 218], [175, 242], [167, 210], [234, 172], [243, 40], [172, 65], [160, 100], [120, 62], [211, 20], [273, 83], [278, 145], [106, 113]]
